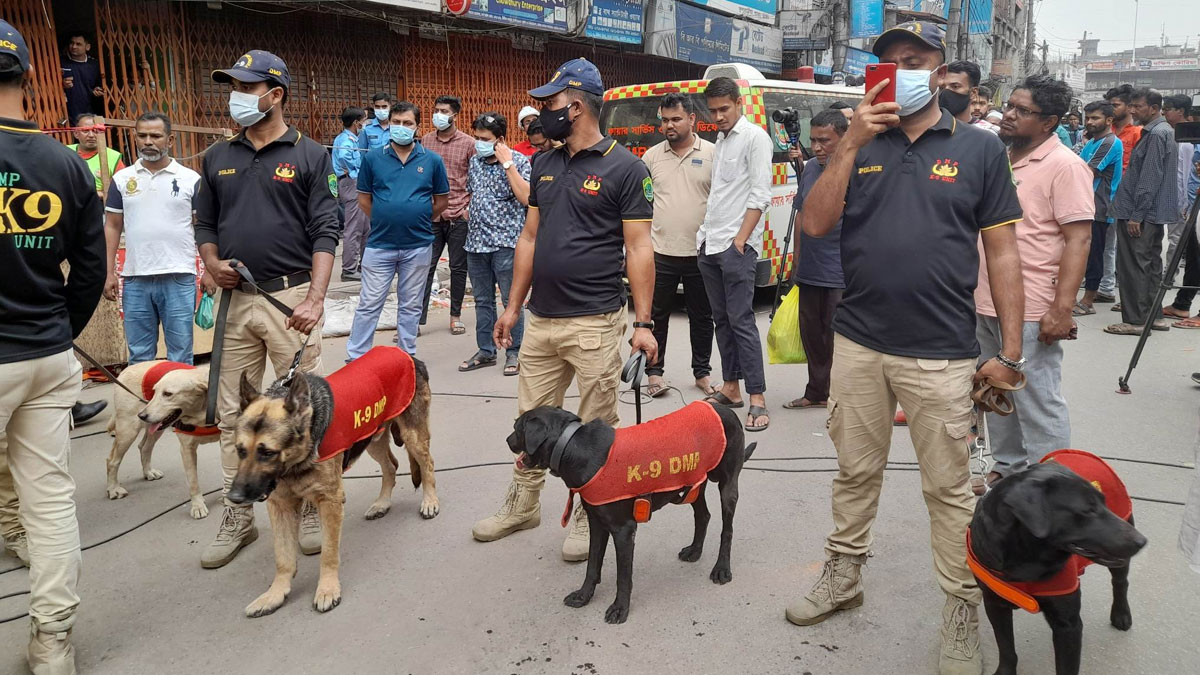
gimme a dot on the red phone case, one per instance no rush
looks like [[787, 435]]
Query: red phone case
[[876, 73]]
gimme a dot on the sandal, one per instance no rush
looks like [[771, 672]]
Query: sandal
[[1193, 322], [724, 400], [480, 360], [757, 411], [512, 365], [656, 389], [1170, 312], [1082, 310], [457, 327], [712, 389], [802, 402]]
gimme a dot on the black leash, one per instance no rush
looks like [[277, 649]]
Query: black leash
[[633, 372], [107, 373]]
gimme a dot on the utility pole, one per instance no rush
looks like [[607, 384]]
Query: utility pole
[[1135, 18], [1029, 38], [954, 27], [1045, 49], [964, 31]]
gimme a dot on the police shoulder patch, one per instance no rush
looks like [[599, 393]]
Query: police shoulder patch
[[648, 189], [333, 190]]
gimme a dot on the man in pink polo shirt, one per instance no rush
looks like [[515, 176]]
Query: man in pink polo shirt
[[1054, 187]]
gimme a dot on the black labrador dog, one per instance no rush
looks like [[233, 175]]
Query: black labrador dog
[[1026, 529], [534, 436]]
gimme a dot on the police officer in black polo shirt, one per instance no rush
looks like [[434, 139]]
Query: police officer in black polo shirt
[[588, 200], [916, 191], [267, 198]]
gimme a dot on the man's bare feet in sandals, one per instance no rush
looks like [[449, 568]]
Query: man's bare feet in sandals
[[803, 402], [457, 327], [706, 386], [757, 418], [655, 386], [1172, 313]]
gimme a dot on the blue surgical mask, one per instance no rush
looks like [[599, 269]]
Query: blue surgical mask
[[381, 114], [441, 121], [243, 108], [401, 135], [912, 90], [485, 149]]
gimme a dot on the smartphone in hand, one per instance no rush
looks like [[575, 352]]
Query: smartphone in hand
[[878, 72]]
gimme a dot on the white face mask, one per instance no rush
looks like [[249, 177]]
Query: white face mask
[[912, 90], [243, 108]]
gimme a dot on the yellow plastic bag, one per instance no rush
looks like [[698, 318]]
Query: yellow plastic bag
[[783, 338]]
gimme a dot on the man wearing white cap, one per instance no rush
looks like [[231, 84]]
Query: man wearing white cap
[[526, 117]]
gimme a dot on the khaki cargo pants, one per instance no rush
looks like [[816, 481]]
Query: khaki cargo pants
[[555, 351], [936, 396], [254, 332], [35, 418]]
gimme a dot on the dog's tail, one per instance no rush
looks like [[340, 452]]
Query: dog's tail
[[749, 451]]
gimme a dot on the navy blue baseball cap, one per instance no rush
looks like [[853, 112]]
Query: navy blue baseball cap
[[578, 74], [11, 42], [926, 32], [255, 65]]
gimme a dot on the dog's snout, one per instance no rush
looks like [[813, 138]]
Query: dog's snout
[[143, 416], [1138, 540], [237, 495]]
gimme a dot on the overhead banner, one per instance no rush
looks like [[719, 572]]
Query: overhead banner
[[549, 15], [427, 5], [866, 18], [857, 60], [688, 33], [799, 27], [615, 21], [979, 17], [762, 11]]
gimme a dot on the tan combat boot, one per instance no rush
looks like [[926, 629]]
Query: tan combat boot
[[310, 529], [50, 653], [521, 510], [579, 539], [18, 547], [236, 532], [960, 639], [840, 587]]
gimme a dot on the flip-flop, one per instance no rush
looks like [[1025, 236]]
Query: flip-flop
[[1192, 322], [757, 411], [656, 390], [1081, 309], [457, 327], [1169, 315], [512, 365], [796, 405], [479, 360], [724, 400]]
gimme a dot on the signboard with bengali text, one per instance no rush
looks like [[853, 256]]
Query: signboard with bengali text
[[548, 15]]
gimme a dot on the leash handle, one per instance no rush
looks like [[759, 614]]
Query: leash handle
[[633, 372]]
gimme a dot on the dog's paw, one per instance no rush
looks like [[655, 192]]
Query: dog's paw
[[578, 598], [199, 508], [117, 492], [616, 613], [429, 507], [1121, 619], [152, 474], [327, 597], [721, 574], [265, 604], [690, 553], [378, 510]]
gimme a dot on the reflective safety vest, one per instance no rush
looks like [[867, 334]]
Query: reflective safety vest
[[368, 392]]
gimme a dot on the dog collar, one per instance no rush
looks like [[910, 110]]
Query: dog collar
[[561, 444]]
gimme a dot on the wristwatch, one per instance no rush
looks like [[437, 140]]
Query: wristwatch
[[644, 324], [1009, 363], [507, 165]]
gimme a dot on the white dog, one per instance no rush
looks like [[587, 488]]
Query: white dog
[[178, 397]]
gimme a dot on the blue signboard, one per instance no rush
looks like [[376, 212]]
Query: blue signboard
[[762, 11], [866, 18], [857, 60], [939, 7], [979, 17], [616, 21], [550, 15], [703, 37]]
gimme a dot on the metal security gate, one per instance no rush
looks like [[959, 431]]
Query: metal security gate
[[35, 20]]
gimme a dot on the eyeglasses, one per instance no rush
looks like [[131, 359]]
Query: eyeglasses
[[1022, 111]]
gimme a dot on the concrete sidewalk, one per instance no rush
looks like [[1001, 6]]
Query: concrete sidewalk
[[423, 597]]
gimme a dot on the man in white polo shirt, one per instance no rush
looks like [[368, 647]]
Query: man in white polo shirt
[[151, 202]]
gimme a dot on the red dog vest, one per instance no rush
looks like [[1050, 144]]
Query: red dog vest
[[368, 392], [1021, 593], [152, 377], [666, 454]]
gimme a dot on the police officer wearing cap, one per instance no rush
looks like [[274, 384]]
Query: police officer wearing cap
[[268, 199], [916, 191], [590, 207]]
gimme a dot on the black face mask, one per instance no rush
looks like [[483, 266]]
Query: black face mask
[[557, 123], [954, 102]]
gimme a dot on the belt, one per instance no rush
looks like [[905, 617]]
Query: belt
[[277, 284]]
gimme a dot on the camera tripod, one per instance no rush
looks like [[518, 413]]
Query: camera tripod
[[798, 167]]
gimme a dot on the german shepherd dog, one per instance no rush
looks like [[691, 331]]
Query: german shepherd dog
[[277, 437], [1027, 528], [532, 440]]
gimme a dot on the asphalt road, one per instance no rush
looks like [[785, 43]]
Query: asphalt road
[[423, 597]]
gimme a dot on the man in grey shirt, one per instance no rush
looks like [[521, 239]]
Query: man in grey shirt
[[1147, 198]]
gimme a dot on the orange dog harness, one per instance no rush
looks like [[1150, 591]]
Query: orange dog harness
[[672, 453], [152, 377], [369, 392], [1066, 581]]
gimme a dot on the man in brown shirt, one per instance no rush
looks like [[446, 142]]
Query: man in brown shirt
[[450, 230]]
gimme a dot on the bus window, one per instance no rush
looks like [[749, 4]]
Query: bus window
[[633, 122], [808, 103]]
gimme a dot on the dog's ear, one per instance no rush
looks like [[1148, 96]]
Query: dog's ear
[[1027, 500], [247, 391], [298, 395]]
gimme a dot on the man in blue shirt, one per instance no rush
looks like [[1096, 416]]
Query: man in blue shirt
[[401, 188], [347, 157], [375, 132], [1104, 154]]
